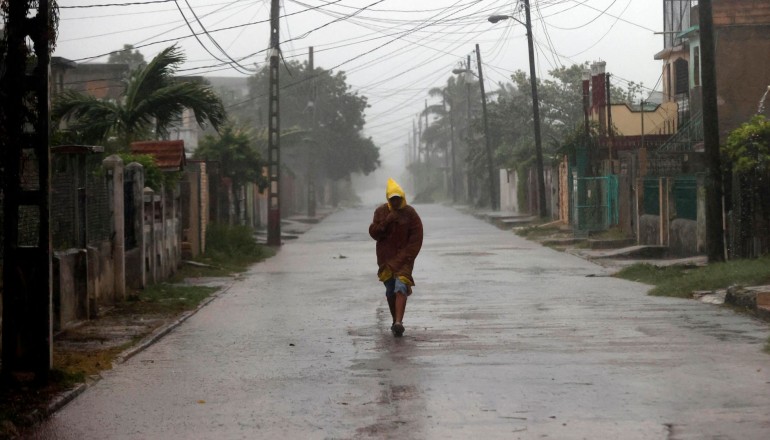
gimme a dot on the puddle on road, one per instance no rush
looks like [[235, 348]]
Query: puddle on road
[[471, 316], [467, 254]]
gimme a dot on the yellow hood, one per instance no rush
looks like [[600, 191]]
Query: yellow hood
[[394, 189]]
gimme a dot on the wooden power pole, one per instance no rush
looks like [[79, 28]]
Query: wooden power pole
[[274, 135], [313, 144], [27, 290], [714, 230], [488, 147]]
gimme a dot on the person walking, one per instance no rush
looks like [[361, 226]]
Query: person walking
[[397, 228]]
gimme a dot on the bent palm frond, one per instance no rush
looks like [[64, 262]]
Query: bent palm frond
[[85, 114]]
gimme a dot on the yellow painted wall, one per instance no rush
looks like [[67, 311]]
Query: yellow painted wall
[[628, 122]]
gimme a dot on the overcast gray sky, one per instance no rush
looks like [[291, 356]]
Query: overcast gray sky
[[393, 51]]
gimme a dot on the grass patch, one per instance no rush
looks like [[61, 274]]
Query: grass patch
[[166, 299], [72, 367], [681, 281], [229, 250], [234, 243], [535, 232], [609, 234]]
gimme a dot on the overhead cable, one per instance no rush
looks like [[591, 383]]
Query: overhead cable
[[149, 2]]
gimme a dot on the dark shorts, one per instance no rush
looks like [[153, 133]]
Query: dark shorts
[[394, 285]]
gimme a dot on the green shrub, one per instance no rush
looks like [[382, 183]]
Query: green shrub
[[154, 177], [233, 246]]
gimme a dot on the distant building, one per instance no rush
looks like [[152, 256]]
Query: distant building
[[102, 81], [742, 57], [230, 89]]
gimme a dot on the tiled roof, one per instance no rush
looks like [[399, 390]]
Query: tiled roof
[[169, 155]]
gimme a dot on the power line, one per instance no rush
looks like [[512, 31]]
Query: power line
[[123, 14], [149, 2], [244, 70], [618, 18], [238, 26]]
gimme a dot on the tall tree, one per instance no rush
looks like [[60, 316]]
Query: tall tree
[[151, 102], [237, 152], [238, 155], [333, 123], [127, 55]]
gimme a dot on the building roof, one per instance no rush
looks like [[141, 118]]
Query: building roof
[[169, 155], [686, 33], [76, 149]]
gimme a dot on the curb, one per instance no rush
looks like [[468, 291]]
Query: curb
[[68, 396]]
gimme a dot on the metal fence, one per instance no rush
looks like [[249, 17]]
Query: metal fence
[[683, 195], [596, 203], [80, 212]]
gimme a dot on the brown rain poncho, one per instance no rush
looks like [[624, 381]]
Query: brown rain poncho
[[398, 231]]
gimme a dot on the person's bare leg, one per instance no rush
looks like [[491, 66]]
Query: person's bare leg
[[400, 306], [400, 310], [392, 307]]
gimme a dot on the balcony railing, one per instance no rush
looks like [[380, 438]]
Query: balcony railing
[[689, 135]]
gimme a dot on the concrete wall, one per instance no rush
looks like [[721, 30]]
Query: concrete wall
[[90, 278], [162, 232], [649, 229], [509, 197], [660, 120], [136, 276], [683, 234], [194, 209], [70, 281], [683, 238], [115, 182], [102, 267]]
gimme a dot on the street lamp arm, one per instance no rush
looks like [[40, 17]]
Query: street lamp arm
[[496, 18], [459, 71]]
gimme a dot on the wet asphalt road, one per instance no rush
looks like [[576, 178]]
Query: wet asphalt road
[[504, 339]]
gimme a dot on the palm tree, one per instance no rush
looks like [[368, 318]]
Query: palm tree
[[151, 102]]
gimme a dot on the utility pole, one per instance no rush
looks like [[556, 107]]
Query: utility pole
[[641, 105], [274, 135], [542, 212], [27, 290], [419, 137], [586, 103], [714, 230], [468, 133], [415, 147], [490, 161], [610, 133], [452, 138], [427, 150], [313, 141]]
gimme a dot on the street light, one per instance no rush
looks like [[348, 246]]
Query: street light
[[535, 105], [490, 162]]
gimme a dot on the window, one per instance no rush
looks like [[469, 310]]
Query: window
[[696, 66], [682, 74]]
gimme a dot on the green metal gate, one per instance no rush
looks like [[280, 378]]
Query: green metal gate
[[596, 203], [683, 194]]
